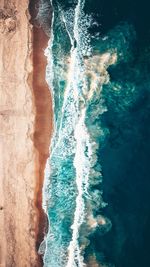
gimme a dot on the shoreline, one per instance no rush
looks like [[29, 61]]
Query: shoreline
[[18, 215], [26, 127], [43, 118]]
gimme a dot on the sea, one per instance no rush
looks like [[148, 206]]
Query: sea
[[96, 191]]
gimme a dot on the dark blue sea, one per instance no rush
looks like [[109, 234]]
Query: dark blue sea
[[97, 180]]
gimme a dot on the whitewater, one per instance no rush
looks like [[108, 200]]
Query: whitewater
[[72, 197]]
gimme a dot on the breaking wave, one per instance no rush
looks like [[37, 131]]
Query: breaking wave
[[72, 192]]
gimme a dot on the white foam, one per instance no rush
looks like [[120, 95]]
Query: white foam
[[82, 173], [81, 160], [74, 124]]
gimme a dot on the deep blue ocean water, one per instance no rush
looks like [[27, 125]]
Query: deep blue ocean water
[[97, 185]]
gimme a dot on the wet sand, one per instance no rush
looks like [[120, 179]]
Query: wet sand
[[25, 129], [43, 119]]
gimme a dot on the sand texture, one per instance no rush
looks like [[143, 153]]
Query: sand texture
[[20, 139]]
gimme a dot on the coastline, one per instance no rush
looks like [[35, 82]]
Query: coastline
[[43, 117], [18, 216], [26, 125]]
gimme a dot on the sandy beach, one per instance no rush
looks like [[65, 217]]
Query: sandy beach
[[43, 115], [25, 128]]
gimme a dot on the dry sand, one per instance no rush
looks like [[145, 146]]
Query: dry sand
[[25, 127]]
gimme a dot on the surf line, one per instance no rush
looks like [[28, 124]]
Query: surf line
[[82, 174], [81, 136]]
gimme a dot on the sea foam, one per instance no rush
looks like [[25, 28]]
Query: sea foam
[[75, 77]]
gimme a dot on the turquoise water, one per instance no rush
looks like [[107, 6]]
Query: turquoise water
[[83, 63], [74, 76]]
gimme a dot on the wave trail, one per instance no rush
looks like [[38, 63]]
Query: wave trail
[[82, 172], [71, 194]]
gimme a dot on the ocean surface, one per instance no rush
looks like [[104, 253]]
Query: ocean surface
[[96, 191]]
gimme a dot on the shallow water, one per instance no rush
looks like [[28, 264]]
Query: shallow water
[[98, 74]]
